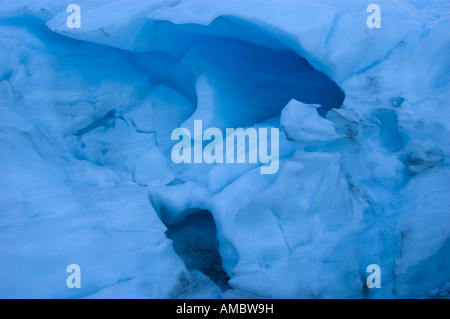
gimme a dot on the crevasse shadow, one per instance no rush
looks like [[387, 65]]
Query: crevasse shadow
[[195, 241]]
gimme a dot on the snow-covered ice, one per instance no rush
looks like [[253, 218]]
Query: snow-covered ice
[[86, 116]]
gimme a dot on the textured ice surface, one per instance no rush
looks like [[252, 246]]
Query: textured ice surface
[[86, 175]]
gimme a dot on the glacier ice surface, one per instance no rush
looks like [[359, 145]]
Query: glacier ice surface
[[85, 122]]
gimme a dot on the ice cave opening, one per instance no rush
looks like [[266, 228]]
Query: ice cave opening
[[233, 72], [195, 241]]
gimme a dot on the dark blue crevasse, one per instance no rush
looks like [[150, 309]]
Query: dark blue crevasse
[[195, 241]]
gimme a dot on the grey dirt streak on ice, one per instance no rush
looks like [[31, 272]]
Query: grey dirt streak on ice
[[86, 175]]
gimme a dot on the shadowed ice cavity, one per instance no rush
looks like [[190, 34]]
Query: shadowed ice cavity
[[233, 74], [195, 241]]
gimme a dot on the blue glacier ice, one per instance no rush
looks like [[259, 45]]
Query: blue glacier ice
[[86, 116]]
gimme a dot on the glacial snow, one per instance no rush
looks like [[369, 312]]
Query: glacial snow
[[86, 118]]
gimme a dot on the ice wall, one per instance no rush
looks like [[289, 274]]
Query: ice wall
[[85, 128]]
